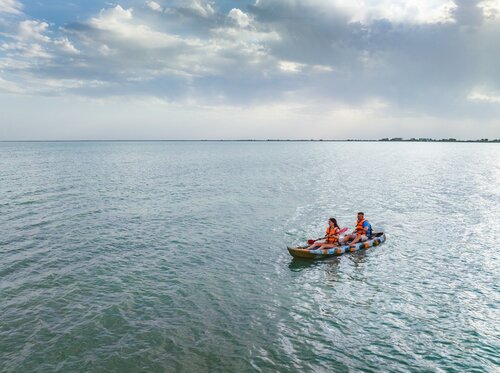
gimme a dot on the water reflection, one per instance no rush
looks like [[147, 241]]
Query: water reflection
[[357, 257], [332, 270], [297, 264], [331, 267], [330, 264]]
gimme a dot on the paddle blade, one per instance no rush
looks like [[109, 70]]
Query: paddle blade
[[310, 242], [343, 230]]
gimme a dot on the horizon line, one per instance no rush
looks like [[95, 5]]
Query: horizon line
[[395, 139]]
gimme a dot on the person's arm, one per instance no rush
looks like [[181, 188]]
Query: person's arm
[[365, 228]]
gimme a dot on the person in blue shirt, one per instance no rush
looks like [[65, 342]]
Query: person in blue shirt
[[361, 233]]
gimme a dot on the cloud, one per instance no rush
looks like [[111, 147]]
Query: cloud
[[25, 50], [33, 30], [483, 94], [153, 5], [397, 11], [116, 25], [11, 7], [201, 7], [291, 67], [191, 10], [66, 45], [419, 67], [148, 57], [240, 18], [423, 58], [491, 8], [468, 12]]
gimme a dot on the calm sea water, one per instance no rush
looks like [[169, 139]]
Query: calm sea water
[[163, 256]]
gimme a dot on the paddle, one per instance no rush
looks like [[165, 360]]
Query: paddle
[[343, 230]]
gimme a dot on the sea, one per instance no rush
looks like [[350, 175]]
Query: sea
[[171, 256]]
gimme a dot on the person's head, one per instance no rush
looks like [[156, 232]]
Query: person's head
[[361, 216], [333, 222]]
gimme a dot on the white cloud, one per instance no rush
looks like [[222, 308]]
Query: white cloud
[[35, 50], [322, 69], [33, 30], [66, 45], [482, 94], [245, 35], [240, 18], [106, 51], [201, 7], [138, 51], [408, 11], [119, 23], [491, 8], [45, 86], [153, 5], [111, 18], [291, 67], [27, 50], [277, 51], [12, 63], [10, 7], [50, 85]]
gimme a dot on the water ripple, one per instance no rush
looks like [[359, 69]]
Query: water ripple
[[171, 257]]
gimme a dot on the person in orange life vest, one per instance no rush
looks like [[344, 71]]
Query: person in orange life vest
[[331, 236], [362, 231]]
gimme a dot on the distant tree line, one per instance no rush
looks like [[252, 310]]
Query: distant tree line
[[393, 139], [427, 139]]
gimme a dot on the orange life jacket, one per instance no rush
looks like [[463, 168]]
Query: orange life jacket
[[360, 229], [330, 231]]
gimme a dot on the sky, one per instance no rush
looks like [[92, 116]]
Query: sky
[[249, 69]]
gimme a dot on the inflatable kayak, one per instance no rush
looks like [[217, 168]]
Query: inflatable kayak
[[302, 252]]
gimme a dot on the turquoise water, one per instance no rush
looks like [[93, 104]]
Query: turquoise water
[[163, 256]]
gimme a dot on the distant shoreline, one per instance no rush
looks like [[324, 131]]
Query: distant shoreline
[[394, 139]]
